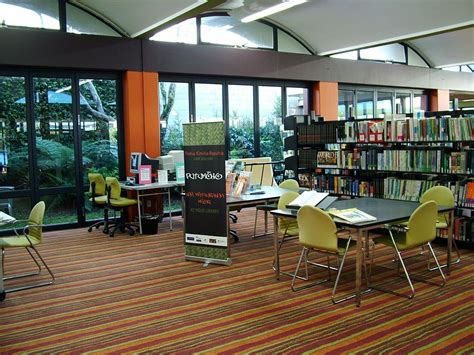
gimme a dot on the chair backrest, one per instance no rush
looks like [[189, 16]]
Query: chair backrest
[[422, 224], [36, 218], [317, 229], [442, 196], [114, 185], [284, 200], [262, 173], [291, 185], [99, 184]]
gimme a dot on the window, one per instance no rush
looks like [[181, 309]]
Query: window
[[226, 30], [270, 116], [241, 121], [403, 102], [420, 102], [30, 13], [183, 32], [346, 104], [296, 101], [415, 60], [208, 102], [389, 53], [288, 44], [384, 103], [365, 104]]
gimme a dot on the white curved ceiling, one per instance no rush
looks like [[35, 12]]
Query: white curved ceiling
[[441, 30]]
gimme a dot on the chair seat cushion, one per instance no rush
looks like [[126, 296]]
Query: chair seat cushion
[[122, 202], [400, 241], [15, 241], [441, 225], [100, 200], [341, 246]]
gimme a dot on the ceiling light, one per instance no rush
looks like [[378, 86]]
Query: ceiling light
[[272, 10]]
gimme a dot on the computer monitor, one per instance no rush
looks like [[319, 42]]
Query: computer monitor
[[135, 162], [154, 162], [167, 163]]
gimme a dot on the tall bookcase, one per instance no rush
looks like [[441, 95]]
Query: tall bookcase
[[398, 157]]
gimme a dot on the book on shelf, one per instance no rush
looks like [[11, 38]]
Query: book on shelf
[[327, 159], [311, 198], [352, 215]]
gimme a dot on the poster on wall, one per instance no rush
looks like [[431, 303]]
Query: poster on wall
[[205, 231]]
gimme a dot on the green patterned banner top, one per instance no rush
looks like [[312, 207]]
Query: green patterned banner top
[[204, 133]]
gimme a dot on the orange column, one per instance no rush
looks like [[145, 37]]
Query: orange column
[[325, 100], [439, 100], [141, 120]]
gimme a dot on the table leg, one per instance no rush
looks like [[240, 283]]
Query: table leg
[[360, 240], [450, 242], [2, 289], [139, 211], [169, 208], [276, 256]]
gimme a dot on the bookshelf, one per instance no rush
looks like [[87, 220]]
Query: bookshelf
[[398, 157]]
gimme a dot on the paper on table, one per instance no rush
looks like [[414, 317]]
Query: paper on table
[[311, 198], [6, 218], [352, 215]]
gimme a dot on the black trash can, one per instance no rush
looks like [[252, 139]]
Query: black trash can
[[150, 223]]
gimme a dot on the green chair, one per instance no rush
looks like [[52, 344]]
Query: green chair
[[291, 185], [319, 233], [29, 238], [288, 227], [420, 230], [444, 197], [118, 203], [98, 198]]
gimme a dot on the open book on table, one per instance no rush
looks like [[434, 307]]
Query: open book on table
[[6, 218], [352, 215], [311, 198]]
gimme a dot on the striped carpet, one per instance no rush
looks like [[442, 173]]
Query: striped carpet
[[138, 294]]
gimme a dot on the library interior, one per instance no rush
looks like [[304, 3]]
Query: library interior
[[236, 176]]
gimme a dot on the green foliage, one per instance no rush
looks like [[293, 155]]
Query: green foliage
[[241, 140], [271, 143]]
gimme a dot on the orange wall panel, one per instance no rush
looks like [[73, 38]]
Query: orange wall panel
[[439, 100], [325, 100], [151, 114]]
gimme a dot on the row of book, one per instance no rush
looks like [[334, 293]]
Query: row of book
[[399, 128], [463, 229], [390, 187], [318, 133], [404, 160]]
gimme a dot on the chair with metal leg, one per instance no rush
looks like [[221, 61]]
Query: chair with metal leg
[[118, 203], [420, 230], [29, 238], [98, 198], [442, 196], [319, 233], [291, 185]]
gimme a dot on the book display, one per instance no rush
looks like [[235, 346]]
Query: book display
[[397, 157]]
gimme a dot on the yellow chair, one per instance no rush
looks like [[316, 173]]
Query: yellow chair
[[29, 238], [291, 185], [418, 231], [118, 203], [288, 227], [319, 233], [444, 197], [98, 198]]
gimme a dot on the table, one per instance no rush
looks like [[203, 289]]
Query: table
[[386, 211], [2, 288], [143, 190]]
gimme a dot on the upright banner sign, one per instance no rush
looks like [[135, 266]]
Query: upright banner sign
[[205, 235]]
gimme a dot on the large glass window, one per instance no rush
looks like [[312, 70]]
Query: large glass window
[[183, 32], [241, 121], [346, 104], [420, 102], [297, 101], [384, 103], [270, 117], [208, 102], [30, 13], [174, 111], [228, 31], [14, 155], [391, 52], [54, 131], [365, 104], [403, 102]]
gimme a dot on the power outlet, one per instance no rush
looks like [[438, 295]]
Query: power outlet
[[148, 204]]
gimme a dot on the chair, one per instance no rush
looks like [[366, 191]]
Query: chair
[[289, 184], [29, 238], [319, 233], [98, 193], [287, 227], [419, 230], [116, 202], [442, 196]]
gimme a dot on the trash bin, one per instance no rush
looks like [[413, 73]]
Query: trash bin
[[150, 224]]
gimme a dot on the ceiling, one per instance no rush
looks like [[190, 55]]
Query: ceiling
[[442, 31]]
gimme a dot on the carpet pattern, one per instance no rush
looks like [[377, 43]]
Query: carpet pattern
[[138, 294]]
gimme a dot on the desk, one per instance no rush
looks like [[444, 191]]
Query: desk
[[141, 191], [386, 211]]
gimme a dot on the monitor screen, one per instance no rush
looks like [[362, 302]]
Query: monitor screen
[[135, 162]]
